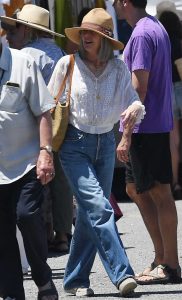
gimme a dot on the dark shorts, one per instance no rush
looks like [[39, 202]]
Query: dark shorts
[[149, 161]]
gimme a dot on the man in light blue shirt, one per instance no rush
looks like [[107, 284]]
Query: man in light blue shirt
[[25, 32], [26, 164]]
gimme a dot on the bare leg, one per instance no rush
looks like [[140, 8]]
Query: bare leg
[[167, 219], [149, 214], [174, 146]]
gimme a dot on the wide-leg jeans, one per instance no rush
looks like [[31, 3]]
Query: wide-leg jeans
[[88, 162]]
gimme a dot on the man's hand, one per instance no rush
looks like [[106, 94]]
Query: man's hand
[[45, 167], [123, 148]]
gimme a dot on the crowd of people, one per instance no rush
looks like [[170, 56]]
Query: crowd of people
[[37, 184]]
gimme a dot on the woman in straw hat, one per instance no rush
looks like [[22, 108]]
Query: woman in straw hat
[[101, 90]]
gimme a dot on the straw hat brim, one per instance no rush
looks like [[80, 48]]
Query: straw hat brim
[[12, 22], [74, 35]]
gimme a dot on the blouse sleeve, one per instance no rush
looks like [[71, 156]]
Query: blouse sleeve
[[58, 75]]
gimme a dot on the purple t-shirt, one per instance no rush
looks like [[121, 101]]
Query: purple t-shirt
[[149, 49]]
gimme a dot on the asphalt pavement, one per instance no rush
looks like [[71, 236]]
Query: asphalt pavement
[[140, 252]]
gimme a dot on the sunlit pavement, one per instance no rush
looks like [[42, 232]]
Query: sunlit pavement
[[140, 252]]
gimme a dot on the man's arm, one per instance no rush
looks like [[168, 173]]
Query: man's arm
[[124, 145], [140, 82], [45, 167]]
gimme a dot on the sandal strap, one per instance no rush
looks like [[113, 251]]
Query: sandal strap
[[162, 267], [150, 268], [171, 275], [153, 265], [155, 273]]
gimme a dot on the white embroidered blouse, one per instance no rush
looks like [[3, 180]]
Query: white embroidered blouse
[[96, 102]]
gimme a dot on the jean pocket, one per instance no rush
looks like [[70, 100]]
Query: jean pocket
[[73, 134], [111, 136]]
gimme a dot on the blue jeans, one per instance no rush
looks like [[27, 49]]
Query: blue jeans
[[88, 162]]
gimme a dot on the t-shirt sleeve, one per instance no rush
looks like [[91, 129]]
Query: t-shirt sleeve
[[141, 53]]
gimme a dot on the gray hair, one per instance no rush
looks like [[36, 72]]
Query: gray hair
[[105, 51], [32, 34]]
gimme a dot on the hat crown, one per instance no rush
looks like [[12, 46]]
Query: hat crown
[[34, 14], [166, 5], [99, 16]]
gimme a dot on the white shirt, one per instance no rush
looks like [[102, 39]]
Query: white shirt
[[23, 99], [96, 102]]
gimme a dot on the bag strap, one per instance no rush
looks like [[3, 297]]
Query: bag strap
[[68, 72], [72, 61]]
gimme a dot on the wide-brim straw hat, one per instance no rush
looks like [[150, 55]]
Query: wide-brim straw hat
[[99, 21], [167, 6], [33, 16]]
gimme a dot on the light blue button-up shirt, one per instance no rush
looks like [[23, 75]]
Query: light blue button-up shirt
[[23, 97], [46, 54]]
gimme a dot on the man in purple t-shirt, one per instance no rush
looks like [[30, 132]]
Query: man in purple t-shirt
[[149, 172]]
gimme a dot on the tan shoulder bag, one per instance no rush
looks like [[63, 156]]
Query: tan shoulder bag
[[60, 114]]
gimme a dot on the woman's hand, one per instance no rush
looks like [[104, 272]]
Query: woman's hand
[[133, 114]]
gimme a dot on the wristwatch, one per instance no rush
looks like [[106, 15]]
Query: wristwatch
[[48, 148]]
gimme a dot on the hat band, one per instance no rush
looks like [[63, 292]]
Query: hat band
[[93, 26], [28, 22]]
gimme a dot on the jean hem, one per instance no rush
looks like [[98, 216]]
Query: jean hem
[[124, 278], [76, 287]]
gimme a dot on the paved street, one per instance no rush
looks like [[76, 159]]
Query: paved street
[[139, 250]]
